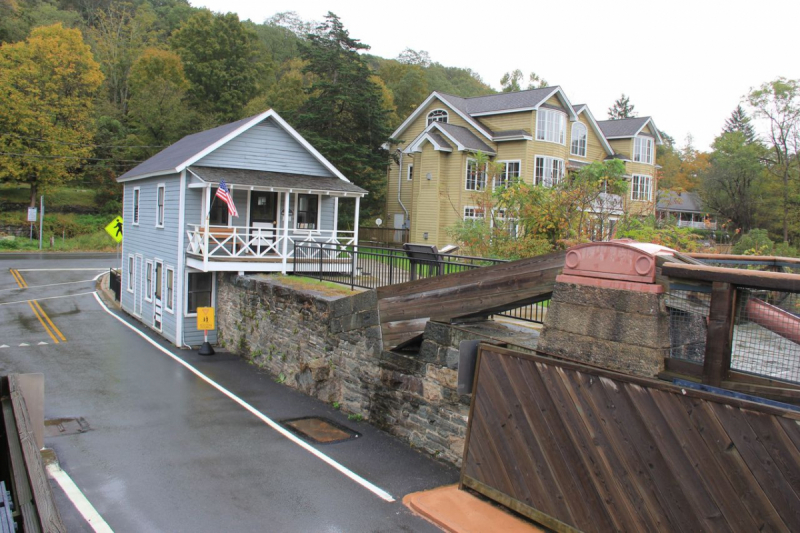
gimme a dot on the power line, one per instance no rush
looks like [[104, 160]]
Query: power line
[[41, 156], [35, 139]]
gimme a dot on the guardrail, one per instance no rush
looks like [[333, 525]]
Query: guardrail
[[34, 507]]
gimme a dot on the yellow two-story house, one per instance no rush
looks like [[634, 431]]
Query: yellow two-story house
[[536, 135]]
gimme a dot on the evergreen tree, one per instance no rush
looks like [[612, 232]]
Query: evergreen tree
[[622, 108], [345, 117], [739, 121]]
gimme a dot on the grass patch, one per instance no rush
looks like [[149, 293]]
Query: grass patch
[[54, 199], [59, 224], [98, 241], [327, 288]]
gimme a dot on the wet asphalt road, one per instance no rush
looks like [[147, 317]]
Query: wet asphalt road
[[168, 452]]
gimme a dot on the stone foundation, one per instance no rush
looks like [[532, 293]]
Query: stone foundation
[[622, 330]]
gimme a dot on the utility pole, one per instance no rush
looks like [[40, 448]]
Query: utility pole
[[41, 220]]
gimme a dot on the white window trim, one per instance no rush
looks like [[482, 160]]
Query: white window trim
[[506, 161], [136, 215], [548, 110], [546, 157], [586, 139], [131, 273], [466, 171], [148, 263], [319, 214], [649, 188], [446, 115], [169, 303], [475, 208], [163, 212], [649, 142], [186, 313], [410, 173]]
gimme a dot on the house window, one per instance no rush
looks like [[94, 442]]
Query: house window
[[198, 293], [130, 273], [507, 222], [170, 303], [437, 115], [549, 171], [473, 213], [476, 179], [551, 126], [509, 174], [578, 141], [159, 281], [410, 174], [148, 284], [136, 206], [160, 206], [643, 150], [307, 211], [642, 188]]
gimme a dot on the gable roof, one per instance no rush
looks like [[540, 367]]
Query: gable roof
[[583, 108], [624, 128], [277, 180], [444, 135], [187, 151], [686, 202]]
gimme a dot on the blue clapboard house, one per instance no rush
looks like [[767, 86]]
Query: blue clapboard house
[[177, 234]]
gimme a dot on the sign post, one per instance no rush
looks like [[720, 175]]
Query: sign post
[[205, 321], [32, 218]]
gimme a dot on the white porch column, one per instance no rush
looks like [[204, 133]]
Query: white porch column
[[336, 219], [205, 233], [355, 225], [285, 252]]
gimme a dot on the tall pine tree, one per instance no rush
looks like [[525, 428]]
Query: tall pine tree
[[345, 117], [740, 122], [622, 108]]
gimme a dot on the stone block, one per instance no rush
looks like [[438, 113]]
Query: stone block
[[365, 301], [437, 332], [342, 306], [619, 300]]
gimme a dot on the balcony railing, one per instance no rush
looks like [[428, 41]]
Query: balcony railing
[[247, 242], [697, 224]]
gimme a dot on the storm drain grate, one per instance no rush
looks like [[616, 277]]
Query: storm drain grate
[[56, 427], [320, 430]]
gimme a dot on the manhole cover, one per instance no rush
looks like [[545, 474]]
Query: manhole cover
[[55, 427], [320, 430]]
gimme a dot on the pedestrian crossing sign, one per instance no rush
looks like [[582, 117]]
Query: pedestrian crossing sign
[[114, 229]]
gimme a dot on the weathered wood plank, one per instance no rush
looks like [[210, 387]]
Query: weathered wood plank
[[746, 278], [719, 336]]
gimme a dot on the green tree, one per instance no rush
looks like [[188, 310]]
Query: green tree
[[740, 122], [345, 115], [730, 182], [622, 108], [226, 64], [47, 88], [778, 102], [512, 81]]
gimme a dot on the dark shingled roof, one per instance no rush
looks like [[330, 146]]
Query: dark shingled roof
[[624, 127], [686, 202], [440, 140], [469, 140], [281, 180], [499, 102], [178, 153], [498, 135]]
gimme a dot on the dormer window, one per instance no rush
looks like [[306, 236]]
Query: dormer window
[[437, 115], [643, 150], [551, 126], [578, 142]]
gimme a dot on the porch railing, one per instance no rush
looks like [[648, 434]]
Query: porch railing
[[221, 242], [370, 267]]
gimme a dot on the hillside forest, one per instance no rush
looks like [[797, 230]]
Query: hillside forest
[[89, 88]]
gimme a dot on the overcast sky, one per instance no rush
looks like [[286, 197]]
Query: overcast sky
[[685, 63]]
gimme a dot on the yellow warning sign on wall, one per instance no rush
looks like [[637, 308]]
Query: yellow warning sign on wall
[[205, 318], [114, 229]]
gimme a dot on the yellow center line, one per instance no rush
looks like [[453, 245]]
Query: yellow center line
[[18, 278], [35, 312], [19, 275], [58, 332]]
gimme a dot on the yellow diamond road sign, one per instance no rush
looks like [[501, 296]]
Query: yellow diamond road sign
[[114, 229]]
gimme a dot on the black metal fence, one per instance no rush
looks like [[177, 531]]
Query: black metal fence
[[387, 237], [370, 267], [115, 282]]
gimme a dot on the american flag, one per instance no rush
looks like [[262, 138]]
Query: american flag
[[225, 195]]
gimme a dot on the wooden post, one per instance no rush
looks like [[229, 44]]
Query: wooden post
[[717, 363]]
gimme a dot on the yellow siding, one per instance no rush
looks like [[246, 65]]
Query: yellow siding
[[511, 121], [553, 100], [648, 130], [594, 149], [421, 122], [622, 146], [426, 197], [517, 151]]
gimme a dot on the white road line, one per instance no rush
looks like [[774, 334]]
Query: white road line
[[98, 276], [60, 269], [49, 285], [80, 502], [258, 414], [48, 298]]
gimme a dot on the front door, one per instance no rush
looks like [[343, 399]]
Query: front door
[[263, 215], [157, 302]]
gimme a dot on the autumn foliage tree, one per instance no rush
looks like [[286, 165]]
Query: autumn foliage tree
[[47, 88]]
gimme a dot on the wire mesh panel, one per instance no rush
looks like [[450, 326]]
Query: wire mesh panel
[[688, 324], [766, 337]]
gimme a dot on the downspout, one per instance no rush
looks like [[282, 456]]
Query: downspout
[[400, 189]]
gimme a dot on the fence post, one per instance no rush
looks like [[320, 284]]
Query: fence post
[[719, 337], [320, 260]]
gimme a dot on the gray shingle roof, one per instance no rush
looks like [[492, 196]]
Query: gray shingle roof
[[499, 102], [510, 133], [465, 137], [280, 180], [178, 153], [686, 202], [624, 127], [440, 140]]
